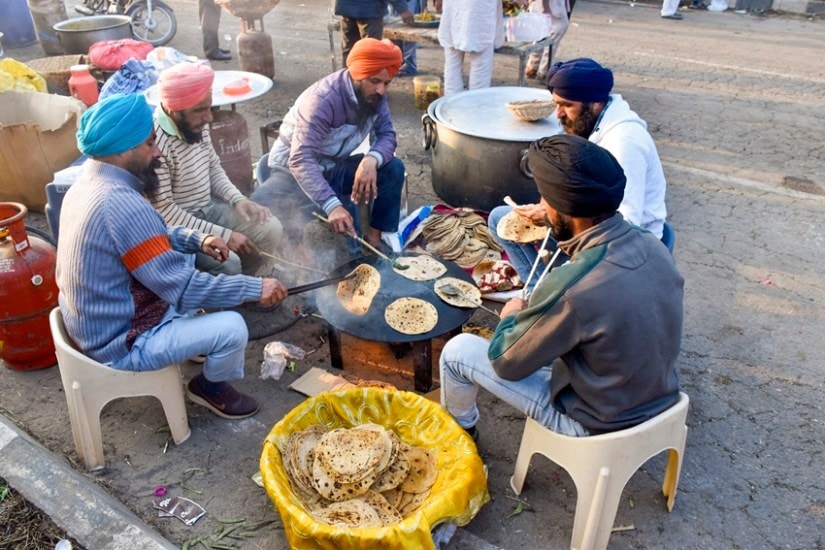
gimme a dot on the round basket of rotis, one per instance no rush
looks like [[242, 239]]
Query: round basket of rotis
[[370, 467]]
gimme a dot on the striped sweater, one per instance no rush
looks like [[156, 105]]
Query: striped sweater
[[119, 266], [191, 176]]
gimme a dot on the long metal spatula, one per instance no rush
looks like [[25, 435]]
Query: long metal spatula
[[318, 284], [451, 290], [394, 264]]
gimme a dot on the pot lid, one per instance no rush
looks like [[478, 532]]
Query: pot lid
[[481, 113]]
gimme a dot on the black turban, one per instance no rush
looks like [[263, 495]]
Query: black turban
[[581, 80], [575, 176]]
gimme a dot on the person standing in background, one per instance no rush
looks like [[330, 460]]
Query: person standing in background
[[474, 28], [209, 14], [365, 18], [559, 11], [669, 10], [409, 48]]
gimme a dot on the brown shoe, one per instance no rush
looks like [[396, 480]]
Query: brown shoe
[[220, 398]]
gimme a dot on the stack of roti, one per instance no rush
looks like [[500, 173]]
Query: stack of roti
[[519, 229], [356, 293], [411, 315], [461, 236], [358, 477]]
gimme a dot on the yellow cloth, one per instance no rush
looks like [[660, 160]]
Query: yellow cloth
[[458, 494], [15, 75]]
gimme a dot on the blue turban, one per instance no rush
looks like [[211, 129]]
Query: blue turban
[[581, 80], [114, 125], [575, 176]]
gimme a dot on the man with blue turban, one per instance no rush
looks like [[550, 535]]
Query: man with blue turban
[[127, 280], [585, 107], [594, 348]]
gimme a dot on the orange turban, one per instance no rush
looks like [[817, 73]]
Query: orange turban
[[369, 57], [184, 85]]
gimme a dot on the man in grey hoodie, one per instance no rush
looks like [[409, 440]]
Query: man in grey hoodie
[[585, 107]]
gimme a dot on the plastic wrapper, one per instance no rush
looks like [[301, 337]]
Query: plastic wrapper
[[18, 76], [276, 357], [458, 494]]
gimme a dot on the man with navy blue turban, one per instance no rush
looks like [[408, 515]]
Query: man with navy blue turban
[[585, 107], [127, 281]]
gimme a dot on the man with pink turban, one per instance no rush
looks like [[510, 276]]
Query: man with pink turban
[[193, 189], [312, 161]]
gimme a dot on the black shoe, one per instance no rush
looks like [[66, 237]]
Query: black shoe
[[220, 398], [218, 55], [223, 50], [472, 432], [698, 6], [676, 16]]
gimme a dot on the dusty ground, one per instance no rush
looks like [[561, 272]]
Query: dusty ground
[[735, 104]]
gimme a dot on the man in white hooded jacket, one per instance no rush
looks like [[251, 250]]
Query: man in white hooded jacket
[[585, 107]]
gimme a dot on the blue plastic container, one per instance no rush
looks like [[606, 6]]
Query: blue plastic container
[[16, 24]]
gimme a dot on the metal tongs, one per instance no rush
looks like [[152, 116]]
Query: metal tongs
[[510, 202], [392, 262], [319, 284], [451, 290]]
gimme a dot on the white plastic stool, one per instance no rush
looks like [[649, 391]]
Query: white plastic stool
[[601, 466], [90, 385]]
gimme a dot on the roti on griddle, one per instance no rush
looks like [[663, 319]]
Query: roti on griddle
[[470, 295], [420, 268], [356, 293], [411, 316], [519, 229]]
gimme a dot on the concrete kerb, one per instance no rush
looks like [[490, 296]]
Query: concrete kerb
[[85, 511]]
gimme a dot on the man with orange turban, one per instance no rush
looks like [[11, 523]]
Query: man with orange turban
[[312, 161], [193, 189]]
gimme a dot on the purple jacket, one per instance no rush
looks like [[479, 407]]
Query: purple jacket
[[321, 129]]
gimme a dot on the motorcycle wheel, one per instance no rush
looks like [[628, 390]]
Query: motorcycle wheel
[[159, 29]]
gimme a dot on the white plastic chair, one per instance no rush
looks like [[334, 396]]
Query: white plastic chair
[[601, 466], [90, 385]]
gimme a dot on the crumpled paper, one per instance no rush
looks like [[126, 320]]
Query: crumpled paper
[[276, 355]]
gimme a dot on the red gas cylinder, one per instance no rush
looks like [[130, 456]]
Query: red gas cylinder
[[28, 292]]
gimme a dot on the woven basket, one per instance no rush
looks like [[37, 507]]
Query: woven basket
[[56, 70], [531, 110]]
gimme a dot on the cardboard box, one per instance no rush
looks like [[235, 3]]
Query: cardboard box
[[37, 138]]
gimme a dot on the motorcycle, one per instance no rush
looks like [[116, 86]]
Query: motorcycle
[[152, 20]]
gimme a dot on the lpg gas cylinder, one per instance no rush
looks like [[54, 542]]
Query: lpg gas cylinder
[[230, 138], [255, 50], [28, 292]]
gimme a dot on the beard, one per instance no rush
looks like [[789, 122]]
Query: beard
[[583, 125], [367, 107], [560, 229], [149, 177], [189, 136]]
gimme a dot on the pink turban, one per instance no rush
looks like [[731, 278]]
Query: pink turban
[[370, 56], [184, 85]]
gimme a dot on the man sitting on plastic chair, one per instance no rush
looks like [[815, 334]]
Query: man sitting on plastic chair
[[312, 162], [593, 348]]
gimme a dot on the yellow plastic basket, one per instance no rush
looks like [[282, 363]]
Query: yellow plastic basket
[[458, 494]]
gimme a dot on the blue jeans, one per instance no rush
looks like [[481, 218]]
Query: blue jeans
[[288, 202], [465, 368], [221, 337], [409, 48]]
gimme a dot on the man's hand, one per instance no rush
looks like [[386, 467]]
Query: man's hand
[[437, 5], [407, 17], [273, 292], [215, 248], [365, 185], [533, 212], [512, 307], [240, 244], [251, 211], [341, 221]]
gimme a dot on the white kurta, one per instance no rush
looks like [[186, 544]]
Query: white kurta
[[470, 25]]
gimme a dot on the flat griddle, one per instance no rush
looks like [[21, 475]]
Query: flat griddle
[[371, 325]]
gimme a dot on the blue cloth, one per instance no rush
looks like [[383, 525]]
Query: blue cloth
[[580, 79], [133, 78], [114, 125]]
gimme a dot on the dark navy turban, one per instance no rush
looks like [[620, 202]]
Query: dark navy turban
[[581, 80]]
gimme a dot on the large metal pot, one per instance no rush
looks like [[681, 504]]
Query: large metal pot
[[76, 35], [479, 149]]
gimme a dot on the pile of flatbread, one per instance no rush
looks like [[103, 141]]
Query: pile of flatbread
[[411, 315], [460, 236], [356, 293], [364, 476], [519, 229]]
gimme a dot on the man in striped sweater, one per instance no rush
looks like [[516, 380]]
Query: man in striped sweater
[[194, 190], [127, 281]]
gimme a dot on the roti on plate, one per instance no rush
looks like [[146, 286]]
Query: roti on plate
[[411, 316], [420, 268], [519, 229], [470, 295], [356, 293]]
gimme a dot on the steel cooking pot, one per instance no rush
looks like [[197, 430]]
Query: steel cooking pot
[[479, 149], [76, 35]]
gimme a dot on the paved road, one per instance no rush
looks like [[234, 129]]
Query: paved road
[[735, 104]]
